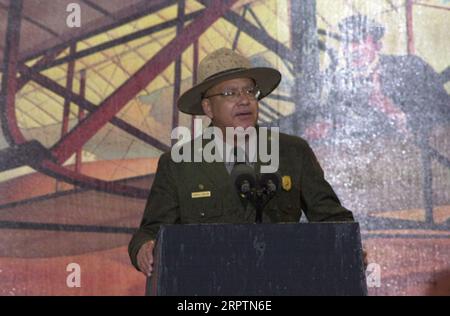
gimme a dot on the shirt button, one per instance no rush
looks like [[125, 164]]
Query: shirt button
[[202, 214], [201, 186]]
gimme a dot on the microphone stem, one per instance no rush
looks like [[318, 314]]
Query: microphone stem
[[259, 204]]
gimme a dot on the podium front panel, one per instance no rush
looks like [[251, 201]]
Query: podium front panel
[[258, 259]]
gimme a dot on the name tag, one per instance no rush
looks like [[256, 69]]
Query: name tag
[[200, 194]]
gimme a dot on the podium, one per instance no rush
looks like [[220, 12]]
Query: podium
[[258, 259]]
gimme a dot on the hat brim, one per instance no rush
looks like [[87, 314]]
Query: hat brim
[[267, 79]]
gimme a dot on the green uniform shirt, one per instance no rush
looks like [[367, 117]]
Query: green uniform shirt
[[190, 192]]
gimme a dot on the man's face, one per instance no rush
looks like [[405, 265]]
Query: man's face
[[227, 112], [363, 53]]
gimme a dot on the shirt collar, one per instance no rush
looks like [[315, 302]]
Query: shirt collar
[[226, 151]]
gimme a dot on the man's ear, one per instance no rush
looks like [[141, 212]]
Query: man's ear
[[206, 105]]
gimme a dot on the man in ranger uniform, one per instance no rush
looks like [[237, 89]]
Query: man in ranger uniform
[[203, 192]]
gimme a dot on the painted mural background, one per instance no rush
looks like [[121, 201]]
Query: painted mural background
[[367, 83]]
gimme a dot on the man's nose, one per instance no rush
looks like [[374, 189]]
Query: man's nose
[[244, 98]]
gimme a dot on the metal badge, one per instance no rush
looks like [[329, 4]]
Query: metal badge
[[286, 183]]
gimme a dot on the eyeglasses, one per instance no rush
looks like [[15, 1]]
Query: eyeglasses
[[252, 93]]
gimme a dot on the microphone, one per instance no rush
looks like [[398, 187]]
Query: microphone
[[258, 192], [244, 179], [268, 186], [270, 183]]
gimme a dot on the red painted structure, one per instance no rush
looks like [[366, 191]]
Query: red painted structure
[[72, 142]]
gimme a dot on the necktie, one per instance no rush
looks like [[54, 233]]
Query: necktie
[[238, 157]]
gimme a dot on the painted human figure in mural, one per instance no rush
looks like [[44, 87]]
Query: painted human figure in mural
[[372, 96]]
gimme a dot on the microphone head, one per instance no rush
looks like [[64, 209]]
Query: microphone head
[[270, 182], [243, 177], [246, 186]]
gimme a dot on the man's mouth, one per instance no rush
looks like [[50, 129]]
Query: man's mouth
[[244, 114]]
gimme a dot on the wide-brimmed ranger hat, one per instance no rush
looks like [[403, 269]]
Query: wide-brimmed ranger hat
[[225, 64]]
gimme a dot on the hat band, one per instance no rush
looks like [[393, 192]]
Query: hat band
[[222, 73]]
